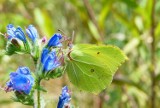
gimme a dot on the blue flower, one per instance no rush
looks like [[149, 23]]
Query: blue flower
[[20, 34], [64, 99], [49, 59], [55, 40], [15, 33], [32, 33], [21, 80], [10, 31]]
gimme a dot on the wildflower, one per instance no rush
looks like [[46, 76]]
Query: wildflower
[[10, 31], [20, 34], [15, 33], [55, 40], [21, 80], [32, 33], [44, 39], [49, 59], [64, 99]]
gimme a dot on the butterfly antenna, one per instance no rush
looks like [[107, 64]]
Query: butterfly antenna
[[70, 44], [64, 36], [73, 35], [61, 31]]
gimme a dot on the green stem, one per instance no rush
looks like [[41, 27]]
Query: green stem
[[153, 56], [37, 103], [38, 94]]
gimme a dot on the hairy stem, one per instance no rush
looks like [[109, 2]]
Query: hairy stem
[[37, 103], [38, 94], [153, 60]]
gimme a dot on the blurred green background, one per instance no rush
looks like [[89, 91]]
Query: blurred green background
[[132, 25]]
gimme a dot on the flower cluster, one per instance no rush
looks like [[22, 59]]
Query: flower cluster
[[18, 43], [48, 58], [64, 99], [21, 80], [18, 33]]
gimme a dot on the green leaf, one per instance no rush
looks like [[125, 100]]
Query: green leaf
[[23, 98], [91, 67], [104, 13], [41, 88], [11, 48], [130, 3]]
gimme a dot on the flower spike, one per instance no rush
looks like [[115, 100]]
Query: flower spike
[[64, 99]]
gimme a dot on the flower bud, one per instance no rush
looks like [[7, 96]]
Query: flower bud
[[44, 39], [14, 46], [32, 33], [13, 32], [55, 40], [64, 99], [10, 31], [49, 60], [20, 34]]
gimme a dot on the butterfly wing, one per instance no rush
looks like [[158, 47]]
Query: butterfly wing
[[91, 67]]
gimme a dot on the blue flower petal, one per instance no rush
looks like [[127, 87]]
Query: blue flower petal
[[45, 52], [21, 80], [21, 83], [51, 61], [65, 98], [32, 33], [15, 33], [9, 84], [23, 70], [10, 31], [55, 40], [20, 34]]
